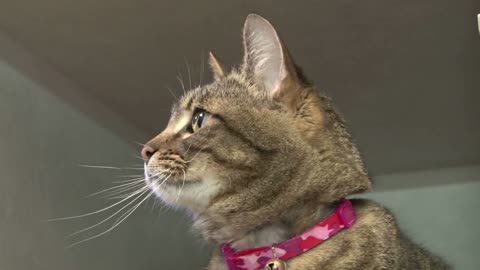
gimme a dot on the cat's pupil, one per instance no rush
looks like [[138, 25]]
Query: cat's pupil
[[199, 120]]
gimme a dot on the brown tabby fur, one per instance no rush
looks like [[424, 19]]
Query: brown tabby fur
[[272, 159]]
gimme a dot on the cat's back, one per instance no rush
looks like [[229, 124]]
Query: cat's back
[[373, 242]]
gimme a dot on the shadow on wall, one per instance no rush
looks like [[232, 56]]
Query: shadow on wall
[[54, 82]]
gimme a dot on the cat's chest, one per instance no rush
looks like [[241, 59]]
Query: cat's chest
[[265, 236]]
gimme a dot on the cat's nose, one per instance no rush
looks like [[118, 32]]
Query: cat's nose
[[147, 152]]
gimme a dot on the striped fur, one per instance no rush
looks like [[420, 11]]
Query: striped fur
[[273, 158]]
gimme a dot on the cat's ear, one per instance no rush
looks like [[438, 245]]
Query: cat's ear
[[217, 67], [267, 59]]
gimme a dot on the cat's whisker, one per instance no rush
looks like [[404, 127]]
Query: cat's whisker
[[140, 144], [130, 175], [114, 214], [115, 197], [133, 168], [202, 61], [171, 92], [180, 80], [114, 188], [119, 221], [137, 156], [130, 181], [183, 184], [165, 180], [125, 213], [198, 152], [135, 165], [154, 204], [114, 226], [120, 191], [155, 182], [188, 72], [98, 211], [123, 216], [95, 212], [138, 178], [188, 148], [208, 133], [100, 167], [121, 194], [123, 189]]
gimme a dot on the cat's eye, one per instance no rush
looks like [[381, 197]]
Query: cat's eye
[[198, 120]]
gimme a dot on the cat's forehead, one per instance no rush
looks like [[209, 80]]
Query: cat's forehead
[[233, 89]]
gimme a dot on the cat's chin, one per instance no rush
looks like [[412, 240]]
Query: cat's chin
[[193, 194]]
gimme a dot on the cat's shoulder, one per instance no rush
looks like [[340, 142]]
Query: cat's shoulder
[[371, 213]]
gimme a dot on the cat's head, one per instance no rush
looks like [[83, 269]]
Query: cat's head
[[256, 139]]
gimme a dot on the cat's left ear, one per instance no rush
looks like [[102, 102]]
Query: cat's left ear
[[217, 67], [267, 59]]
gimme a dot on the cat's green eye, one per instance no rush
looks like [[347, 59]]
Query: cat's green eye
[[198, 120]]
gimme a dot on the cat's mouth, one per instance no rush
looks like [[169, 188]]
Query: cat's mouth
[[157, 177]]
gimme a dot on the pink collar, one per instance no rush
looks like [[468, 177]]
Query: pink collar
[[269, 257]]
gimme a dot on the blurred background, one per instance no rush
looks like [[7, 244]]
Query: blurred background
[[83, 82]]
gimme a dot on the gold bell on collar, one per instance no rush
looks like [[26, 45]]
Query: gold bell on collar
[[275, 264]]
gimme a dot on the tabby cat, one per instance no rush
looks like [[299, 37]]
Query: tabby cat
[[258, 156]]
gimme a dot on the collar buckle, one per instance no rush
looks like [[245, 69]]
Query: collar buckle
[[346, 213]]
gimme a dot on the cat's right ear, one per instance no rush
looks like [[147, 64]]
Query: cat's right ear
[[216, 66], [267, 60]]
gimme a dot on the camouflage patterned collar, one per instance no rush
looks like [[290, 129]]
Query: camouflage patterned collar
[[274, 257]]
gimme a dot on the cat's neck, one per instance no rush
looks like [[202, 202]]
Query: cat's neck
[[294, 222], [299, 196]]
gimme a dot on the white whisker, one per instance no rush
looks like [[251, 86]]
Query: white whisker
[[202, 69], [99, 167], [188, 161], [114, 214], [118, 221], [138, 178], [186, 152], [98, 211], [137, 156], [180, 80], [115, 187], [110, 195], [183, 184], [131, 175], [188, 72], [201, 149], [165, 180], [141, 144], [114, 226], [171, 92]]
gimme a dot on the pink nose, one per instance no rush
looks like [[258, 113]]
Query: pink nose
[[147, 152]]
